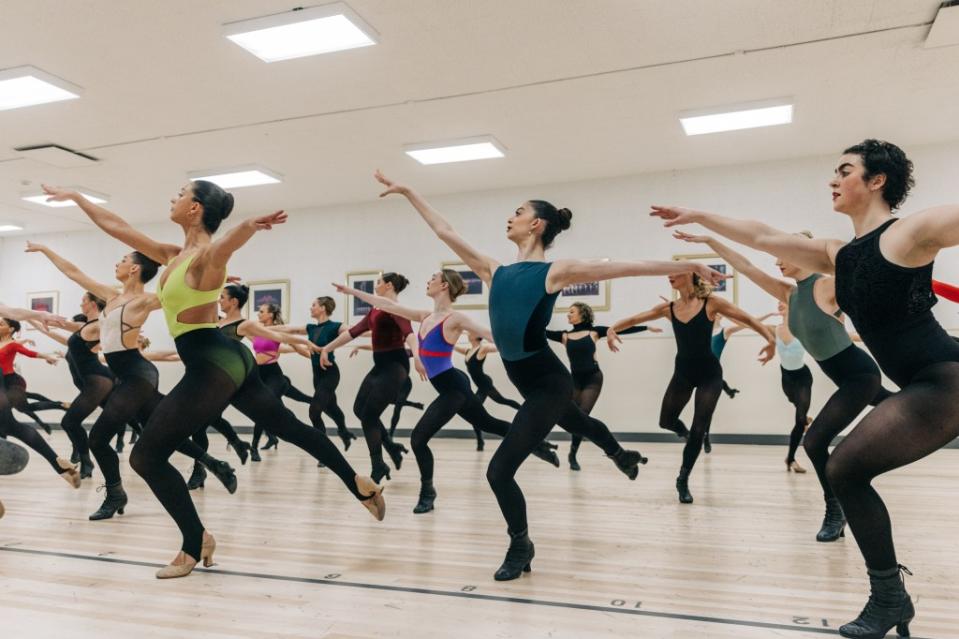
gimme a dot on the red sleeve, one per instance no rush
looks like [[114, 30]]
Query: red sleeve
[[361, 327], [23, 350], [947, 291]]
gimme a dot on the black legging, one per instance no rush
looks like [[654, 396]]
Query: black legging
[[325, 383], [131, 398], [219, 372], [28, 435], [221, 426], [705, 376], [295, 393], [488, 390], [859, 384], [380, 388], [94, 390], [17, 395], [274, 379], [586, 389], [797, 386], [455, 398], [918, 420], [547, 388], [402, 400]]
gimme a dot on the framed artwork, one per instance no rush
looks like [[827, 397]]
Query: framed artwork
[[364, 281], [477, 292], [596, 294], [269, 292], [728, 289], [43, 301]]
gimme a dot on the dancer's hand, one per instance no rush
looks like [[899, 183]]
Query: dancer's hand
[[420, 368], [712, 276], [266, 222], [674, 215], [33, 247], [612, 339], [325, 359], [767, 353], [355, 351], [391, 186], [233, 279], [654, 329], [49, 319], [50, 359], [343, 288], [692, 239], [57, 194]]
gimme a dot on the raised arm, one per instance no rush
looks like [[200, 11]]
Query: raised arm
[[775, 286], [728, 309], [56, 337], [925, 233], [816, 255], [482, 265], [233, 240], [612, 338], [115, 226], [24, 315], [384, 303], [103, 291], [563, 273]]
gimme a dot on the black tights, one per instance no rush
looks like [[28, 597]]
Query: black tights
[[797, 386], [455, 398], [93, 393], [488, 390], [325, 383], [547, 388], [218, 372], [586, 389], [705, 376], [860, 384], [380, 388], [221, 426], [27, 434], [402, 400], [274, 379], [918, 420], [130, 399]]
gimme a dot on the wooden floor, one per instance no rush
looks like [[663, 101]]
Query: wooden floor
[[298, 557]]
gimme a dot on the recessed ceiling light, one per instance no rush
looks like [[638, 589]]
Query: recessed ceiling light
[[482, 148], [27, 86], [93, 196], [5, 228], [238, 177], [747, 116], [302, 32]]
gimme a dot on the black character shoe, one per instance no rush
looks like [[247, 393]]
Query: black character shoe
[[889, 606], [518, 557]]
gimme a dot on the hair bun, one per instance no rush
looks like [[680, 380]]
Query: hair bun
[[227, 205], [565, 218]]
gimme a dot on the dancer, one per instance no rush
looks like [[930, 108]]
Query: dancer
[[10, 426], [520, 305], [17, 393], [815, 319], [696, 367], [135, 393], [580, 343], [475, 357], [391, 337], [325, 380], [884, 284], [218, 370], [402, 399], [435, 355]]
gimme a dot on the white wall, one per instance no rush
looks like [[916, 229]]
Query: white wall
[[610, 220]]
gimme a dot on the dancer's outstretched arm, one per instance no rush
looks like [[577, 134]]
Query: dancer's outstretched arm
[[101, 290], [384, 303], [660, 311], [728, 309], [24, 315], [818, 255], [564, 273]]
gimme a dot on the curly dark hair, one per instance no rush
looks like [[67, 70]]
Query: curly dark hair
[[885, 158]]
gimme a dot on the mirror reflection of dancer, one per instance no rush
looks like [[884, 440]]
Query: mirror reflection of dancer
[[884, 283], [439, 330], [696, 367], [218, 371], [580, 343], [521, 302]]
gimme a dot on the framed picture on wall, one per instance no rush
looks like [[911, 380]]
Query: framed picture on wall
[[43, 302], [364, 281], [269, 292], [476, 295], [727, 288], [596, 294]]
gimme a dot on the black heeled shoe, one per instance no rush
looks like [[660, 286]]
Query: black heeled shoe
[[833, 522], [197, 478], [707, 446], [628, 461], [682, 487], [242, 450], [271, 442], [380, 470], [75, 456], [255, 454], [86, 468], [427, 497], [346, 436], [113, 504], [518, 557], [888, 606], [395, 451], [224, 472], [547, 453]]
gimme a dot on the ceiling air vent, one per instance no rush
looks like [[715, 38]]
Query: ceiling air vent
[[945, 28], [56, 155]]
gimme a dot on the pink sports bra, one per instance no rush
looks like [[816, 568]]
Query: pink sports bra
[[264, 346]]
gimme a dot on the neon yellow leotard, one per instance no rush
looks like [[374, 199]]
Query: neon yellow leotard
[[176, 297]]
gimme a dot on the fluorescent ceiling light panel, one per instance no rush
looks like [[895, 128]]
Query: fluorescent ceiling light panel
[[6, 228], [28, 86], [238, 177], [483, 148], [98, 198], [302, 32], [749, 116]]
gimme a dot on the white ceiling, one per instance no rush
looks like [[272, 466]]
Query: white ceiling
[[575, 89]]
